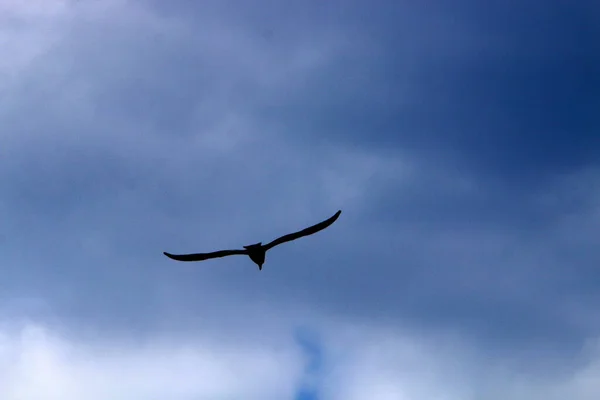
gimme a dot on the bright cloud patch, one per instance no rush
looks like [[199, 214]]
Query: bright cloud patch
[[38, 364]]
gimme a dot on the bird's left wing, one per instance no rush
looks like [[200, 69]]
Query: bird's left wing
[[304, 232], [204, 256]]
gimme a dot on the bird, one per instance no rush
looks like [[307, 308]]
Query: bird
[[257, 251]]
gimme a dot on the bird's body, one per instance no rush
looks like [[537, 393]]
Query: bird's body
[[257, 252]]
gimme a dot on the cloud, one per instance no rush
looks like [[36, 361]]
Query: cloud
[[385, 363], [134, 128], [42, 363], [39, 363], [28, 31], [158, 131]]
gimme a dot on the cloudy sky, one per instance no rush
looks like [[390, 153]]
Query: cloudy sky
[[460, 142]]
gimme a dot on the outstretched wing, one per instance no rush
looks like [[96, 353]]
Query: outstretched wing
[[304, 232], [204, 256]]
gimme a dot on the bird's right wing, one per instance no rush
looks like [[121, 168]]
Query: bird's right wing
[[204, 256]]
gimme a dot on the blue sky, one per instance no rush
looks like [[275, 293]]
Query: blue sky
[[460, 141]]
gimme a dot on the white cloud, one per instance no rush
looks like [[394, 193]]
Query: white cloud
[[38, 363], [365, 359]]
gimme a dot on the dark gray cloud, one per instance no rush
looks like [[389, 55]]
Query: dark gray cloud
[[508, 91]]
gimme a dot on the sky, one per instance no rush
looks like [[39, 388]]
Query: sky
[[461, 142]]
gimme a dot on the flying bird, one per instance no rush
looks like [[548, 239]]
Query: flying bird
[[257, 251]]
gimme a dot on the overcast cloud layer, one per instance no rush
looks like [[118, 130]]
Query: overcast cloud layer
[[461, 144]]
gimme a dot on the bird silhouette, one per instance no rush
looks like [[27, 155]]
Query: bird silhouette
[[257, 251]]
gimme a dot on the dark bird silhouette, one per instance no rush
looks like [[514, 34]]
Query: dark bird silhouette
[[256, 252]]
